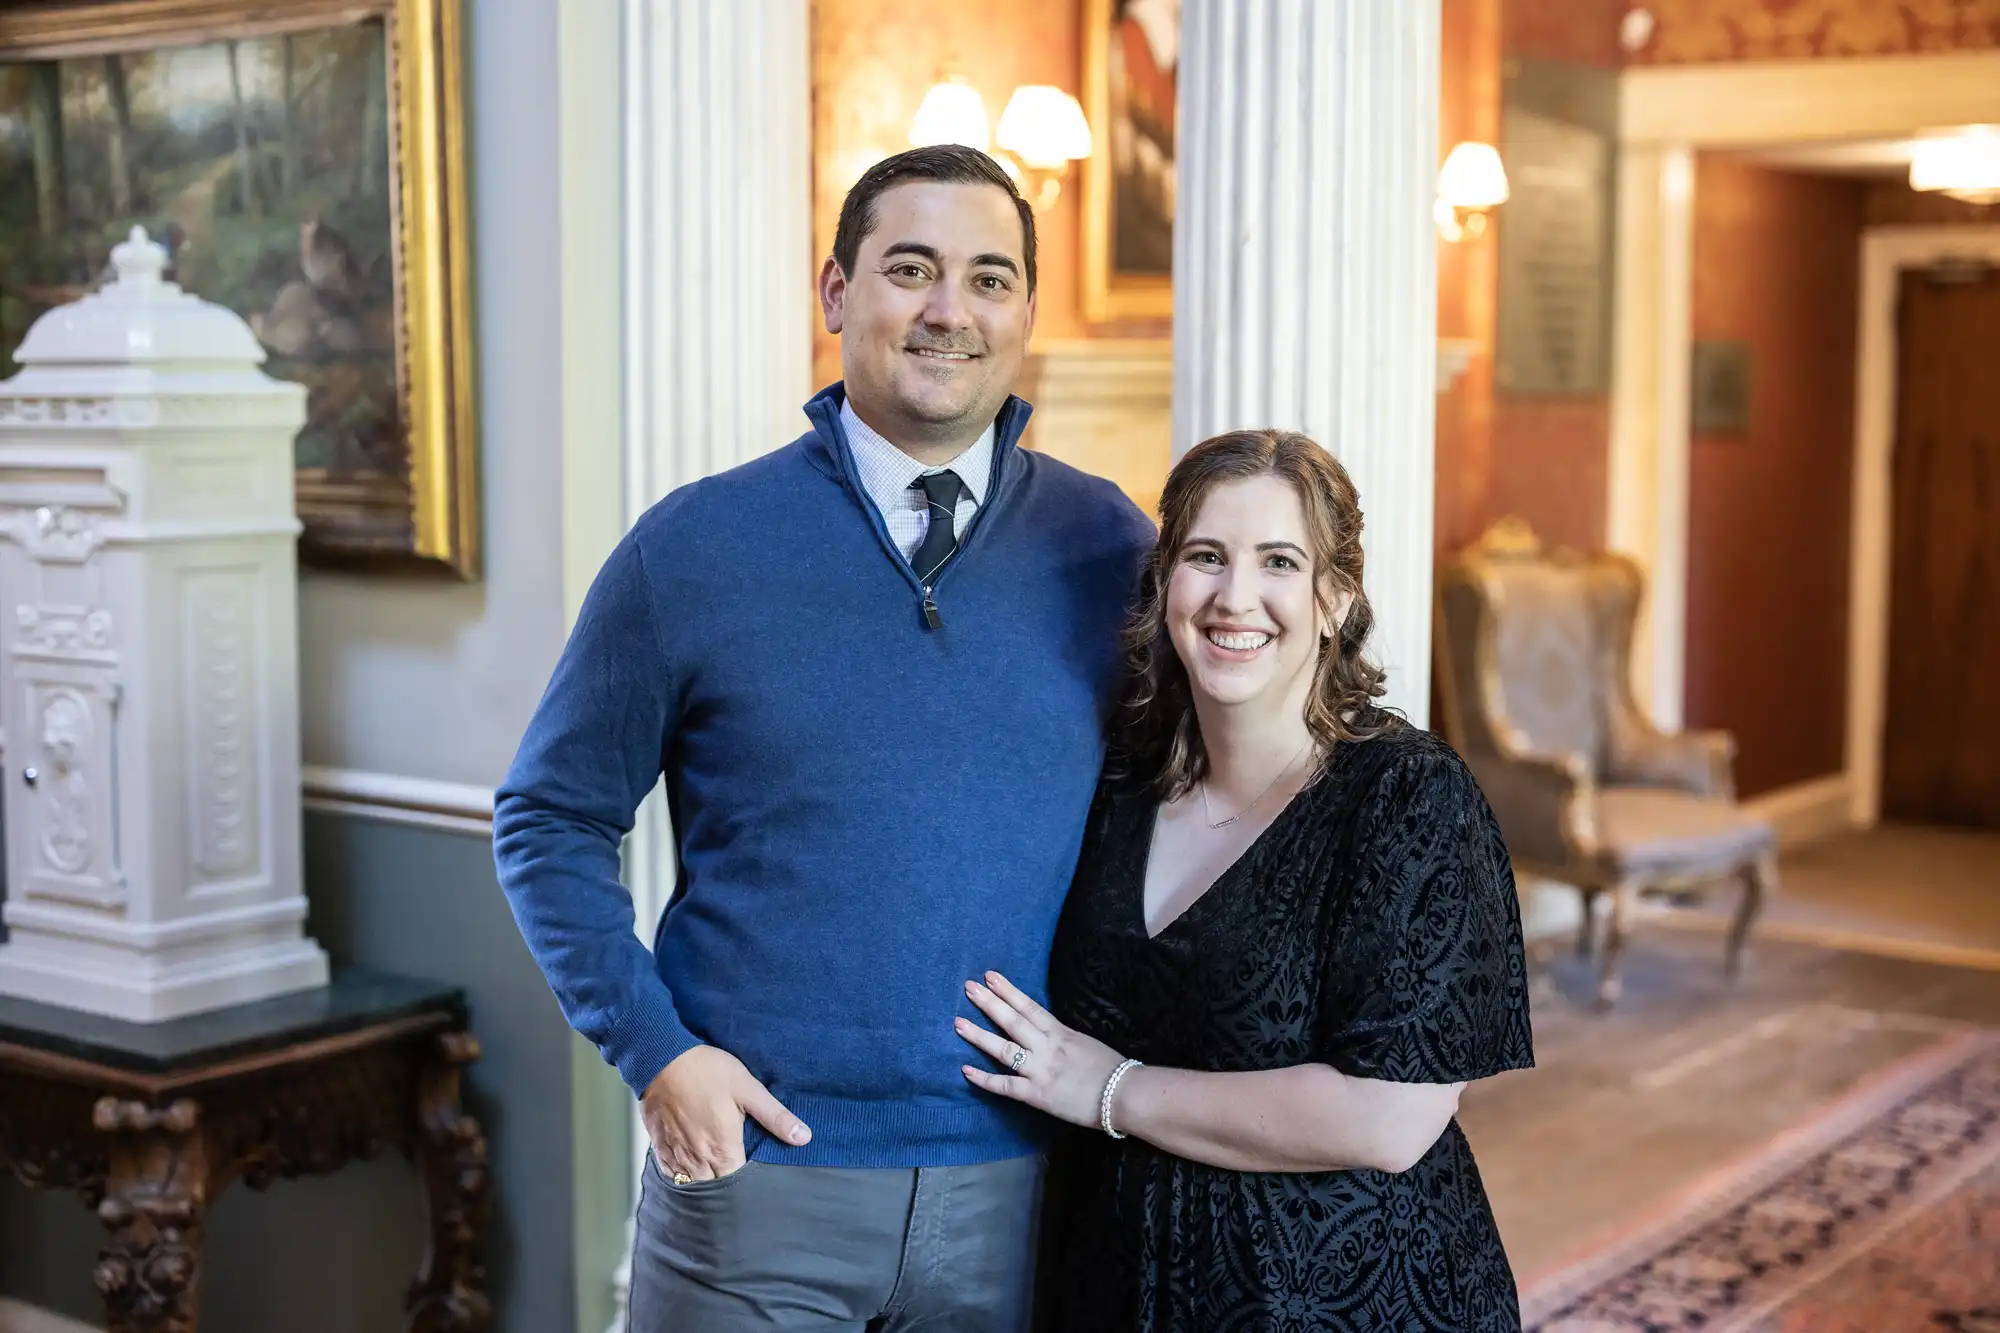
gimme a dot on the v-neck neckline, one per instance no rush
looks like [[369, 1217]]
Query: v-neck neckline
[[1152, 830]]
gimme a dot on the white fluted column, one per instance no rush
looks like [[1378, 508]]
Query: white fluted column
[[718, 271], [1305, 264], [719, 261]]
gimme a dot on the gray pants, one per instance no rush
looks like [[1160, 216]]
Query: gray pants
[[805, 1247]]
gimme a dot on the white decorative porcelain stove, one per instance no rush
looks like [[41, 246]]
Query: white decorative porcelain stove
[[149, 658]]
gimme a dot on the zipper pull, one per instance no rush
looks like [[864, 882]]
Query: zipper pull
[[931, 617]]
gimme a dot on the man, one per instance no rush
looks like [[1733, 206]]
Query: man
[[873, 667]]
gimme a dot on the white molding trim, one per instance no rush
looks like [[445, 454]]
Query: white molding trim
[[1653, 323], [20, 1317], [1666, 115], [1806, 811], [450, 807], [1772, 102], [1885, 252]]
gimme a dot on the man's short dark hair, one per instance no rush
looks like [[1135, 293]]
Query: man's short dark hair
[[953, 164]]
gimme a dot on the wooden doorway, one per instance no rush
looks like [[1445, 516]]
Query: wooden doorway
[[1941, 733]]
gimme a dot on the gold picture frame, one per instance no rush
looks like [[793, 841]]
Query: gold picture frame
[[374, 316], [1113, 290]]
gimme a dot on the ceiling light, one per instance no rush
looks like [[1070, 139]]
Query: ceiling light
[[1964, 166]]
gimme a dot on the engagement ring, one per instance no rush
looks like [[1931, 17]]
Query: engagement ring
[[1020, 1058]]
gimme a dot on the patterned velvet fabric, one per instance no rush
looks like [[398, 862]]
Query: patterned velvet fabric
[[1373, 927]]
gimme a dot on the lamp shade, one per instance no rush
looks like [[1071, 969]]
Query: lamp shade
[[1964, 166], [1044, 126], [951, 112], [1472, 177]]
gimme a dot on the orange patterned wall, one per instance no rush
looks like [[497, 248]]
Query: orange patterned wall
[[1691, 31], [1548, 458], [872, 62], [1552, 466], [1584, 32], [1469, 109]]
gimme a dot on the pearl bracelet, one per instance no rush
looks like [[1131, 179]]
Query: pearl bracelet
[[1110, 1090]]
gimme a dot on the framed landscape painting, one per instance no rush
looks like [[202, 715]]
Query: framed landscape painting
[[1131, 67], [300, 162]]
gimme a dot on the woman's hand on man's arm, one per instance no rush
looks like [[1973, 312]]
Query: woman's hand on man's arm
[[1305, 1118]]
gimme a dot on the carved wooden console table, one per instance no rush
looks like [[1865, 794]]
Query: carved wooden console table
[[149, 1122]]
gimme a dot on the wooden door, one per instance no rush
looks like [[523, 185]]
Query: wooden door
[[1941, 741]]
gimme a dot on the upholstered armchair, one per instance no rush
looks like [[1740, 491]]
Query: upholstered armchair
[[1534, 658]]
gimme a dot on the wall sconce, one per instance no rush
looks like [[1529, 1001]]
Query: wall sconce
[[1042, 130], [1964, 166], [951, 112], [1470, 185]]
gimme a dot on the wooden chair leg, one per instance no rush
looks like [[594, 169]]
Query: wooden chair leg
[[1609, 979], [1586, 931], [1760, 878]]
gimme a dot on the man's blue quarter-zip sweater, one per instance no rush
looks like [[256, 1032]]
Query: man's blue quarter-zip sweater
[[872, 805]]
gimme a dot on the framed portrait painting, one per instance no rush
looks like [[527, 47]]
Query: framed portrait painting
[[1131, 66], [300, 161]]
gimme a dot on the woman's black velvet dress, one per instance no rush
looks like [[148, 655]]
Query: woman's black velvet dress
[[1372, 927]]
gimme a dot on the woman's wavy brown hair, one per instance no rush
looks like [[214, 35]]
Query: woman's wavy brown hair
[[1158, 739]]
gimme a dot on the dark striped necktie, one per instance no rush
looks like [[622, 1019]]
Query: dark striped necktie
[[941, 490]]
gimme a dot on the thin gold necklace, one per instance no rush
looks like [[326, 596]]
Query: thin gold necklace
[[1206, 813]]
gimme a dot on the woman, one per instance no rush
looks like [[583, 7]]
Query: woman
[[1296, 910]]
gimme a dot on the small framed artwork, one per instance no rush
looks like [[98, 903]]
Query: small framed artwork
[[1131, 67], [301, 161], [1720, 378]]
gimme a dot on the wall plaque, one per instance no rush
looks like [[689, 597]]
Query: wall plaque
[[1558, 129], [1719, 372]]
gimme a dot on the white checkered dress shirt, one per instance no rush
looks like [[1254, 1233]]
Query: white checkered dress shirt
[[887, 474]]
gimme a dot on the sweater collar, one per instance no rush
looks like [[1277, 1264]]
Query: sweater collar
[[828, 442], [886, 471]]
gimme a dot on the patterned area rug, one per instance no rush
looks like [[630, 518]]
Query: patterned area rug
[[1881, 1214]]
